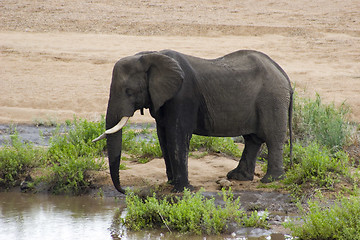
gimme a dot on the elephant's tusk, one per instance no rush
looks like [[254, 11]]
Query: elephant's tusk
[[114, 129], [118, 126], [102, 136]]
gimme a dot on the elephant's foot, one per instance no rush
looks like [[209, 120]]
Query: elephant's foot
[[270, 177], [237, 174], [181, 187]]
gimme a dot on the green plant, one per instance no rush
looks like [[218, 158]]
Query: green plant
[[315, 166], [256, 220], [72, 154], [215, 144], [143, 144], [325, 124], [76, 142], [338, 221], [16, 158], [192, 213], [70, 175]]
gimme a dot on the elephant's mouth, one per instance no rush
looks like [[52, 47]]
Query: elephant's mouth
[[114, 129]]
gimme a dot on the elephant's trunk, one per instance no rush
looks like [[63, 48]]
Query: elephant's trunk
[[114, 146], [114, 142]]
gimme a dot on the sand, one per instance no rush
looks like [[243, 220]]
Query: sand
[[57, 56]]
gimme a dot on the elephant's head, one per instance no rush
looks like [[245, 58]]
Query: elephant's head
[[145, 80]]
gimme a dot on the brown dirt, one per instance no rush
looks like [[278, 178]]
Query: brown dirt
[[57, 56]]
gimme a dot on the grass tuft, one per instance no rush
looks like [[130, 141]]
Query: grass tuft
[[325, 124], [17, 158], [192, 213], [315, 167], [339, 221]]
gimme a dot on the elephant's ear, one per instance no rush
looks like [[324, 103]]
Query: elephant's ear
[[165, 77]]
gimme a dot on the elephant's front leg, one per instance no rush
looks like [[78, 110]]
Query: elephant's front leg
[[246, 168], [177, 142], [163, 144]]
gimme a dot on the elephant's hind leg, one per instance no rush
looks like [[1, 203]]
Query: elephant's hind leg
[[275, 170], [246, 168]]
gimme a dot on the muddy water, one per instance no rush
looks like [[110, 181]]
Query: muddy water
[[30, 216], [40, 216]]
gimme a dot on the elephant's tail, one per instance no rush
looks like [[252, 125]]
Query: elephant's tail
[[290, 126]]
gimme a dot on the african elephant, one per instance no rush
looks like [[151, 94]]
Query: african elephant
[[243, 93]]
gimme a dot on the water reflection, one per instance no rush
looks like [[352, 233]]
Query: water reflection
[[26, 216]]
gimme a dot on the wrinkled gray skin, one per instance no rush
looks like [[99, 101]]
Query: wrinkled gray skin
[[243, 93]]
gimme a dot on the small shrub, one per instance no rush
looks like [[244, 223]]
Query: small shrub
[[69, 175], [16, 158], [315, 166], [76, 141], [192, 213], [325, 124], [338, 221], [72, 154]]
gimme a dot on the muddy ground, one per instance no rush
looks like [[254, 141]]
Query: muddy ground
[[57, 57]]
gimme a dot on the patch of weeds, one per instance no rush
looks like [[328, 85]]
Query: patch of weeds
[[72, 154], [141, 144], [191, 213], [215, 144], [123, 166], [256, 220], [338, 221], [70, 175], [273, 185], [16, 158], [50, 122], [198, 155], [76, 142], [314, 167], [325, 124]]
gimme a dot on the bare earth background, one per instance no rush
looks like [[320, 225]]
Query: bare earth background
[[57, 55]]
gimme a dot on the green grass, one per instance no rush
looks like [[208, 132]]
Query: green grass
[[76, 142], [321, 221], [315, 167], [70, 176], [191, 213], [317, 164], [143, 145], [16, 159], [323, 123], [72, 154], [215, 144], [66, 162]]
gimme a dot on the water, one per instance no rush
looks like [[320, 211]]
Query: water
[[30, 216], [40, 135]]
